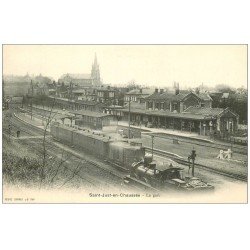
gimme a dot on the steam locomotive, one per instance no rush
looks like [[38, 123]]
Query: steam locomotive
[[170, 178]]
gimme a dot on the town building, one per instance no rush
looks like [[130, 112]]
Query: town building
[[183, 111], [68, 104], [137, 95], [14, 85], [106, 94], [178, 101]]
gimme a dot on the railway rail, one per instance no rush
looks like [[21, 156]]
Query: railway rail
[[50, 147], [199, 166], [236, 148], [121, 176]]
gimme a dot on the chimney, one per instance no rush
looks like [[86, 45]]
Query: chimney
[[156, 90], [140, 90], [161, 91], [177, 89]]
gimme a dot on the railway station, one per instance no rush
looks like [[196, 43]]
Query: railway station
[[203, 121]]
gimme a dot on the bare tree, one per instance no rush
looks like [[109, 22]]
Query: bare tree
[[75, 172], [44, 152]]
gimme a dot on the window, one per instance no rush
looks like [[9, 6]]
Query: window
[[111, 94], [202, 105], [150, 105]]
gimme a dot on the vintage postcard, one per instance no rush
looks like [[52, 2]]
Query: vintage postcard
[[124, 124]]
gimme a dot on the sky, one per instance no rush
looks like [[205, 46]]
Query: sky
[[158, 65]]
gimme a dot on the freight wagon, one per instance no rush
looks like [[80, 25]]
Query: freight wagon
[[119, 152]]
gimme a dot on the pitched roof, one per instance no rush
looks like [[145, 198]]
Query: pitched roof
[[105, 88], [167, 113], [79, 91], [135, 105], [225, 95], [179, 97], [77, 76], [204, 96], [204, 111], [141, 92]]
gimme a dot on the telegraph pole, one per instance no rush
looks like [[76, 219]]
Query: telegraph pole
[[129, 116], [192, 157], [152, 146]]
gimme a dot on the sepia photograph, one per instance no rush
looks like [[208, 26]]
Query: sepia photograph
[[124, 123]]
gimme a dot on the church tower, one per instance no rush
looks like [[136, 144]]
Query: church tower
[[95, 73]]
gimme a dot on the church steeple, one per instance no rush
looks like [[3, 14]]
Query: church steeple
[[95, 72], [95, 62]]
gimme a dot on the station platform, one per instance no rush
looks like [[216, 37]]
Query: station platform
[[176, 133]]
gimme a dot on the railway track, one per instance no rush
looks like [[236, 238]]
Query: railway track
[[199, 166], [121, 176], [89, 164], [236, 148]]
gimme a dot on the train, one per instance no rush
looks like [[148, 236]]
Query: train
[[119, 152], [129, 156], [169, 178]]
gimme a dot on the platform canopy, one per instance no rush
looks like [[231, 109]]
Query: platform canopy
[[90, 113]]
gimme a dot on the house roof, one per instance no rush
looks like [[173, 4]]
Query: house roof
[[179, 97], [79, 91], [135, 105], [204, 96], [77, 76], [105, 89], [204, 111], [140, 92], [225, 95], [90, 103]]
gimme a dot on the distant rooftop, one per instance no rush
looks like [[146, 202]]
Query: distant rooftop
[[141, 91], [77, 76]]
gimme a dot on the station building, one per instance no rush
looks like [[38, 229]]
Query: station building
[[93, 120], [185, 111], [64, 103]]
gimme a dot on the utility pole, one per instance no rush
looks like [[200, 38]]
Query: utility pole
[[152, 146], [192, 157], [129, 117]]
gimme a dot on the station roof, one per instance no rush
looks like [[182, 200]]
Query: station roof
[[63, 116], [165, 113], [90, 113], [204, 111]]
